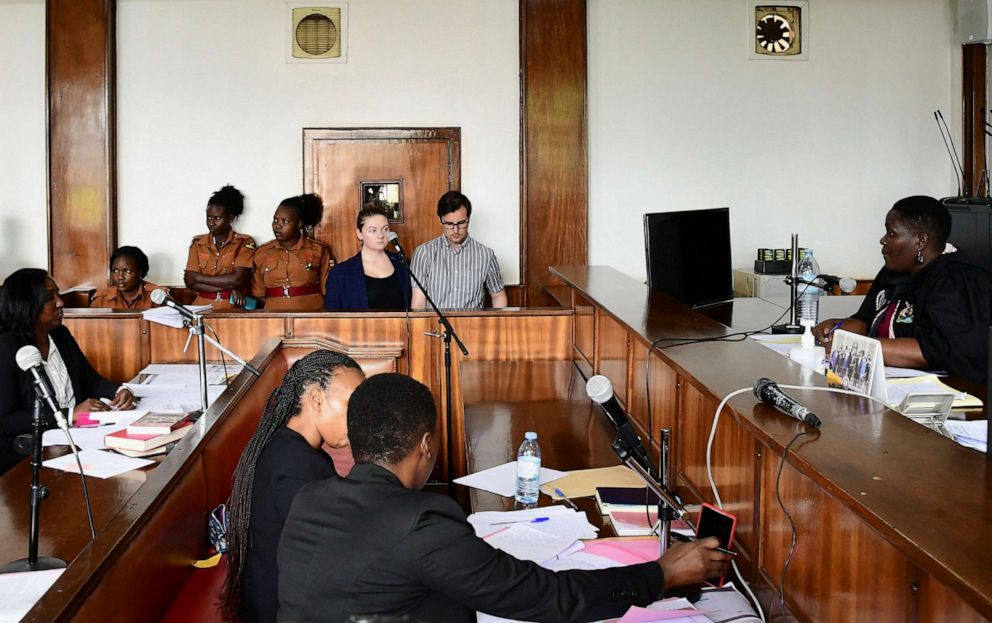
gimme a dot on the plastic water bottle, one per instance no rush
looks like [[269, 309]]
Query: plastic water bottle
[[528, 470], [809, 295]]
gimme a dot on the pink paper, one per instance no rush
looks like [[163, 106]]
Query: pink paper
[[644, 615], [625, 552]]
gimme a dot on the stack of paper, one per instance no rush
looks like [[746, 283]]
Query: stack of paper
[[92, 437], [97, 463], [899, 388], [972, 434], [502, 479], [550, 519]]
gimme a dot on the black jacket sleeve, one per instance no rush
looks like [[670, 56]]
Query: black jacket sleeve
[[447, 557], [952, 326], [16, 402]]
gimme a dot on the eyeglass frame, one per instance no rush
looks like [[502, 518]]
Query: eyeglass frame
[[455, 226]]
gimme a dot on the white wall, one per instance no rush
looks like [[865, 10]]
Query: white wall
[[206, 98], [679, 118], [23, 211]]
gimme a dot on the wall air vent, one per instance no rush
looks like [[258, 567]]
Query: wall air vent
[[317, 32]]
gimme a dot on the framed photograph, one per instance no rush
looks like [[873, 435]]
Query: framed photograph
[[387, 195], [855, 363], [778, 30]]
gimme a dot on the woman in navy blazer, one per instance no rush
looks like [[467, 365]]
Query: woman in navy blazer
[[374, 278]]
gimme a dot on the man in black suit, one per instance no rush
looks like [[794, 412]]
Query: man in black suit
[[375, 544]]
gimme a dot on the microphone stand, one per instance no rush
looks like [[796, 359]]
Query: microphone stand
[[194, 322], [447, 335], [38, 493], [793, 280]]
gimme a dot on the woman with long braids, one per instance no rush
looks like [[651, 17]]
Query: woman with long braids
[[290, 271], [309, 409]]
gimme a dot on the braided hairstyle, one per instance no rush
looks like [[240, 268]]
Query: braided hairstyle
[[317, 368], [309, 209], [229, 198]]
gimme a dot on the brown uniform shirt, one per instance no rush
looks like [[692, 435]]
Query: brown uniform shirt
[[306, 264], [207, 258], [111, 298]]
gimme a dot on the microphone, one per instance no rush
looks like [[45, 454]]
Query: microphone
[[395, 239], [846, 284], [768, 392], [161, 297], [29, 360], [600, 390]]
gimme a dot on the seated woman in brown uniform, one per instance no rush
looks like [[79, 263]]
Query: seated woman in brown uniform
[[290, 271], [929, 306], [220, 261], [128, 288]]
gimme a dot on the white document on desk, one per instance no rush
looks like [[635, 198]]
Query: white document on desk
[[97, 463], [19, 592], [523, 542], [970, 433], [502, 479], [556, 519]]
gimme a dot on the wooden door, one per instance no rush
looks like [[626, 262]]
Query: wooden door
[[336, 161]]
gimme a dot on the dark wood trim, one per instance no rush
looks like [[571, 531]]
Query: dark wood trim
[[82, 175], [973, 114], [553, 143]]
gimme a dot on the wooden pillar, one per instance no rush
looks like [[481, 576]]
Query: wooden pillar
[[974, 115], [553, 141], [81, 140]]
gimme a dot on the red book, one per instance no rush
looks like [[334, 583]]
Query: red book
[[121, 439]]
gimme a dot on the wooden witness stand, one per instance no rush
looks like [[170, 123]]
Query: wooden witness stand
[[875, 543]]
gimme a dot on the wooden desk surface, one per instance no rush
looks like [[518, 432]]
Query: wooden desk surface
[[923, 493]]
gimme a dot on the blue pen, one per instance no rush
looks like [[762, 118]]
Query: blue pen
[[535, 520], [836, 326], [564, 497]]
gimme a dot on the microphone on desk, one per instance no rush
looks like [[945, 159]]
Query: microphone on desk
[[395, 239], [161, 297], [600, 390], [768, 392], [846, 284], [29, 360]]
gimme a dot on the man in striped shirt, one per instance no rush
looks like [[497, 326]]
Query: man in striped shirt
[[453, 267]]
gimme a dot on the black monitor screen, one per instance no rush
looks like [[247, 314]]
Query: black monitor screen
[[688, 255]]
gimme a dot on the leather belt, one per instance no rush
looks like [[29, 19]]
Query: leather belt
[[289, 291]]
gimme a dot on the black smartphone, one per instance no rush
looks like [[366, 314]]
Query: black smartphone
[[715, 522]]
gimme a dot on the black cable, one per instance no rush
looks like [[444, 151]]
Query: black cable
[[792, 523]]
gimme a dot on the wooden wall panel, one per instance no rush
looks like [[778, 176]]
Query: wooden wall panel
[[664, 401], [974, 59], [841, 566], [733, 460], [357, 331], [554, 185], [498, 338], [938, 603], [337, 160], [116, 347], [612, 352], [242, 335], [81, 140], [584, 332]]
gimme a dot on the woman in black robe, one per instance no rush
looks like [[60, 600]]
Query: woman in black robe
[[930, 306]]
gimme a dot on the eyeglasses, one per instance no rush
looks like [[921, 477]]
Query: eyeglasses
[[458, 225]]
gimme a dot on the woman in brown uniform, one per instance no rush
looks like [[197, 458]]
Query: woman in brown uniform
[[128, 289], [291, 270], [220, 261]]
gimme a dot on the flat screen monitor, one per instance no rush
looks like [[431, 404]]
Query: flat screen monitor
[[688, 255]]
